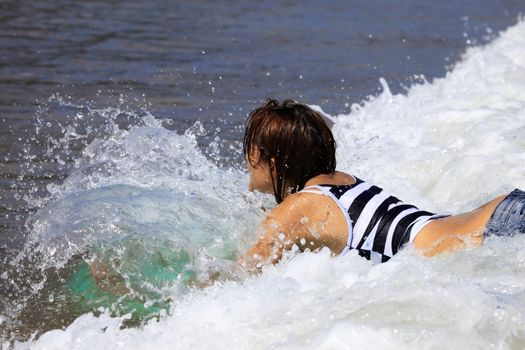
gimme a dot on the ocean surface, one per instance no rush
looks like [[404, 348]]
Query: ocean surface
[[120, 146]]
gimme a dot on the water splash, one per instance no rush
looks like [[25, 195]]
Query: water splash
[[143, 202], [430, 145]]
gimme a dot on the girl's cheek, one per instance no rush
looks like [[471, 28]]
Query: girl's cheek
[[251, 186]]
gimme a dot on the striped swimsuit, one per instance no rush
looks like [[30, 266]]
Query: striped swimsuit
[[378, 223]]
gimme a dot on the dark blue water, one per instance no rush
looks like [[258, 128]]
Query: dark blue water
[[203, 61]]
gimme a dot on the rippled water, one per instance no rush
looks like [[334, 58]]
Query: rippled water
[[121, 144], [206, 61]]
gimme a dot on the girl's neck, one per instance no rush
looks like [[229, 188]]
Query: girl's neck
[[335, 178]]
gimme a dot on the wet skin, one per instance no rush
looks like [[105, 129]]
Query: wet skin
[[312, 221]]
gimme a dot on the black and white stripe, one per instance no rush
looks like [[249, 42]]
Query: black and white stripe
[[379, 223]]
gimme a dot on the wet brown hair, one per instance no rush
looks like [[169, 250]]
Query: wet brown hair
[[294, 140]]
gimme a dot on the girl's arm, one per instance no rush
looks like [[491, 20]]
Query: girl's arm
[[295, 221]]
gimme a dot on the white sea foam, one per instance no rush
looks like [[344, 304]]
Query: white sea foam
[[447, 145], [457, 141]]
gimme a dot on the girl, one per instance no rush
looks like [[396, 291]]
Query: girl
[[290, 152]]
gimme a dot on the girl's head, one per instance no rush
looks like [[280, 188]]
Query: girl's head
[[285, 145]]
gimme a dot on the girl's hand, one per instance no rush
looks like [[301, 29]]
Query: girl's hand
[[106, 279]]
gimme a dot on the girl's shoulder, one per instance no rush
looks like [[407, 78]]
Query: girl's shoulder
[[312, 201], [297, 206]]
